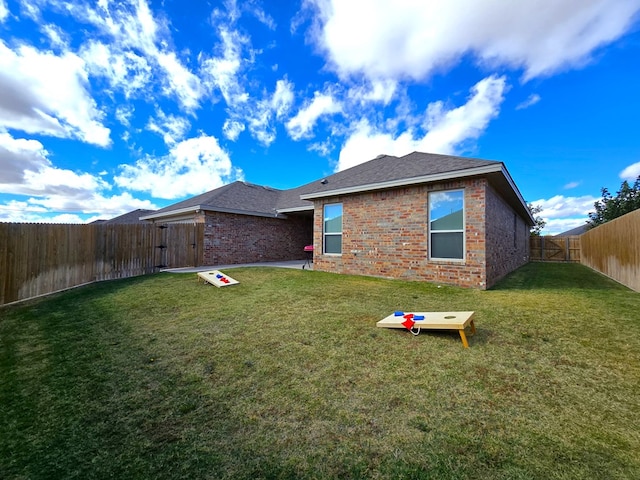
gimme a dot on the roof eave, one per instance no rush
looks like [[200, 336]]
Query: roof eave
[[521, 199], [171, 213], [209, 208], [305, 208]]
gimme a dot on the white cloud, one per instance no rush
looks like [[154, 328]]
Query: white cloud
[[555, 226], [560, 206], [139, 42], [192, 166], [282, 99], [181, 82], [94, 203], [631, 172], [172, 128], [48, 94], [58, 209], [222, 72], [226, 72], [57, 37], [233, 12], [124, 113], [259, 114], [414, 39], [232, 129], [56, 195], [322, 104], [261, 16], [564, 213], [4, 11], [531, 100], [571, 185], [16, 157], [27, 170], [376, 91], [446, 129], [124, 70]]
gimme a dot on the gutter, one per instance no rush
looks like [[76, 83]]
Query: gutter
[[296, 209]]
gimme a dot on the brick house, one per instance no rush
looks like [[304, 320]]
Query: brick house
[[438, 218]]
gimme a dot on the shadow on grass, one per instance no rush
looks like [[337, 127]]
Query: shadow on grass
[[556, 276]]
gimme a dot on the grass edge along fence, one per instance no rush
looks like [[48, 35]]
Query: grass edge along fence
[[37, 259], [613, 249]]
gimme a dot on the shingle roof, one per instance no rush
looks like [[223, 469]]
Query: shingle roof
[[574, 231], [384, 171], [236, 197]]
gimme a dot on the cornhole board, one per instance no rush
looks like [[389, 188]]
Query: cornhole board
[[217, 278], [435, 321]]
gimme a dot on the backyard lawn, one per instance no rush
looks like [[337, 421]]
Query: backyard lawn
[[286, 376]]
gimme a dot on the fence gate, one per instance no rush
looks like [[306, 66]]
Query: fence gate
[[181, 245], [555, 249]]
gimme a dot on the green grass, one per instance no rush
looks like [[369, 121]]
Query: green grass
[[287, 376]]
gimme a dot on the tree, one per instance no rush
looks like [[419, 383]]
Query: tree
[[540, 223], [627, 199]]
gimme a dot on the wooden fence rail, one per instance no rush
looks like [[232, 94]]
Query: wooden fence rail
[[36, 259]]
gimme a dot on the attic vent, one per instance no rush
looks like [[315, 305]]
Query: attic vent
[[381, 155]]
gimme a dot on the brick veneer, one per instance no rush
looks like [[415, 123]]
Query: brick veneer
[[233, 239], [508, 245], [386, 234]]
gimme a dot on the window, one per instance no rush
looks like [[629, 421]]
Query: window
[[333, 228], [446, 225]]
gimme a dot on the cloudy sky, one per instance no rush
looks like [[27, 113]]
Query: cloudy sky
[[110, 106]]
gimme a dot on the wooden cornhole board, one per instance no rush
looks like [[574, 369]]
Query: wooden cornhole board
[[435, 321], [217, 278]]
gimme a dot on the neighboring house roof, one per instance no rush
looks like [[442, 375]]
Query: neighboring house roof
[[129, 217], [574, 231], [383, 172]]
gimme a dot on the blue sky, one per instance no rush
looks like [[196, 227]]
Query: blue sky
[[106, 107]]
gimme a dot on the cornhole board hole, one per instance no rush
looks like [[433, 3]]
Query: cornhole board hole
[[434, 321], [217, 278]]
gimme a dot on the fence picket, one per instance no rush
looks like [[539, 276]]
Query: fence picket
[[36, 259], [613, 249]]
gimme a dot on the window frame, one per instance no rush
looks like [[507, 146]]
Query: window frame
[[326, 234], [462, 230]]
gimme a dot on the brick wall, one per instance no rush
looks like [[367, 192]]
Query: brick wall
[[232, 239], [507, 238], [386, 234]]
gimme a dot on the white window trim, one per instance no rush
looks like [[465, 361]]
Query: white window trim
[[463, 230], [329, 234]]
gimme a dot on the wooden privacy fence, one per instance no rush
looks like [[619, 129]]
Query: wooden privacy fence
[[555, 249], [36, 259], [613, 249]]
